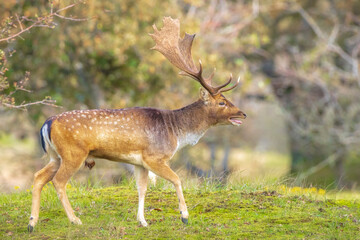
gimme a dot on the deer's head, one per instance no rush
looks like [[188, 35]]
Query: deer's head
[[220, 110], [178, 51]]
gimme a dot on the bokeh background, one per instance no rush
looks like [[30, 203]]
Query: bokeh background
[[298, 62]]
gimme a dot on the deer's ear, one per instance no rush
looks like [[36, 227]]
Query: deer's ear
[[204, 95]]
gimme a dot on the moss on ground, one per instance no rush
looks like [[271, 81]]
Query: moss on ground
[[215, 213]]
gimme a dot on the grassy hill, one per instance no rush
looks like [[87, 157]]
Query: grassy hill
[[216, 212]]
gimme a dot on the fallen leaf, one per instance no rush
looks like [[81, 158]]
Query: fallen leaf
[[156, 209]]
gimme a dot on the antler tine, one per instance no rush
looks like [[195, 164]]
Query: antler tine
[[198, 77], [201, 68], [206, 83], [223, 85], [233, 86], [178, 51]]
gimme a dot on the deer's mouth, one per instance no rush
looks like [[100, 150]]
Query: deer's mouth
[[235, 121]]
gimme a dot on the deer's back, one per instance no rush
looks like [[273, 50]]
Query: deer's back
[[114, 134]]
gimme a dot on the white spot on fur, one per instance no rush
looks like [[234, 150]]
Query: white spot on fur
[[90, 128]]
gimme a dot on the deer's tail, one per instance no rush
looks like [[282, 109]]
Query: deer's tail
[[45, 134]]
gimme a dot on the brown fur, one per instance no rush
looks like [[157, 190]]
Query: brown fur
[[145, 137]]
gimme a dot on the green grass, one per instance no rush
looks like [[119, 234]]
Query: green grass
[[236, 211]]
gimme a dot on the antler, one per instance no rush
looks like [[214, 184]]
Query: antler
[[178, 51]]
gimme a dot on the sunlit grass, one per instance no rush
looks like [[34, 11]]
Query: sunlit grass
[[312, 191], [346, 195], [241, 209], [216, 184]]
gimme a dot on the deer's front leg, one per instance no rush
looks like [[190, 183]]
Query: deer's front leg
[[161, 169], [141, 176]]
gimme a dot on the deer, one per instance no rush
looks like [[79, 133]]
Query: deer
[[145, 137]]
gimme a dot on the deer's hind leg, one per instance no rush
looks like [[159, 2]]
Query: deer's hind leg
[[70, 164], [162, 169], [41, 178]]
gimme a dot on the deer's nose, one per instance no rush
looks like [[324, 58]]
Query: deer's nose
[[244, 114]]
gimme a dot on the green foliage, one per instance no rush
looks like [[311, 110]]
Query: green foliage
[[88, 63], [310, 59], [215, 212]]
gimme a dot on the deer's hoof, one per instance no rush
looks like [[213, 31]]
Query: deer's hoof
[[76, 221], [184, 220], [143, 223], [30, 228]]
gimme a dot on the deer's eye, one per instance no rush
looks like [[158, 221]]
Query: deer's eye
[[222, 103]]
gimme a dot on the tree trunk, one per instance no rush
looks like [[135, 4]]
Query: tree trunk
[[212, 146], [340, 172], [226, 170]]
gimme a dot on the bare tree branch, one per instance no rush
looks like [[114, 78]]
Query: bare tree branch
[[49, 102], [6, 99], [330, 42], [44, 21]]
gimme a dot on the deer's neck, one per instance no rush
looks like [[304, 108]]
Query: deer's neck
[[189, 123]]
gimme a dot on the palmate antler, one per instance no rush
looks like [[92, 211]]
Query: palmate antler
[[178, 51]]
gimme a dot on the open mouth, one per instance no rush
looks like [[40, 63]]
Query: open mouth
[[235, 121]]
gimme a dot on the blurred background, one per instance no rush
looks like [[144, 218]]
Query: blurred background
[[298, 62]]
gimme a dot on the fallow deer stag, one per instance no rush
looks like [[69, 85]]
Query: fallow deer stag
[[145, 137]]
